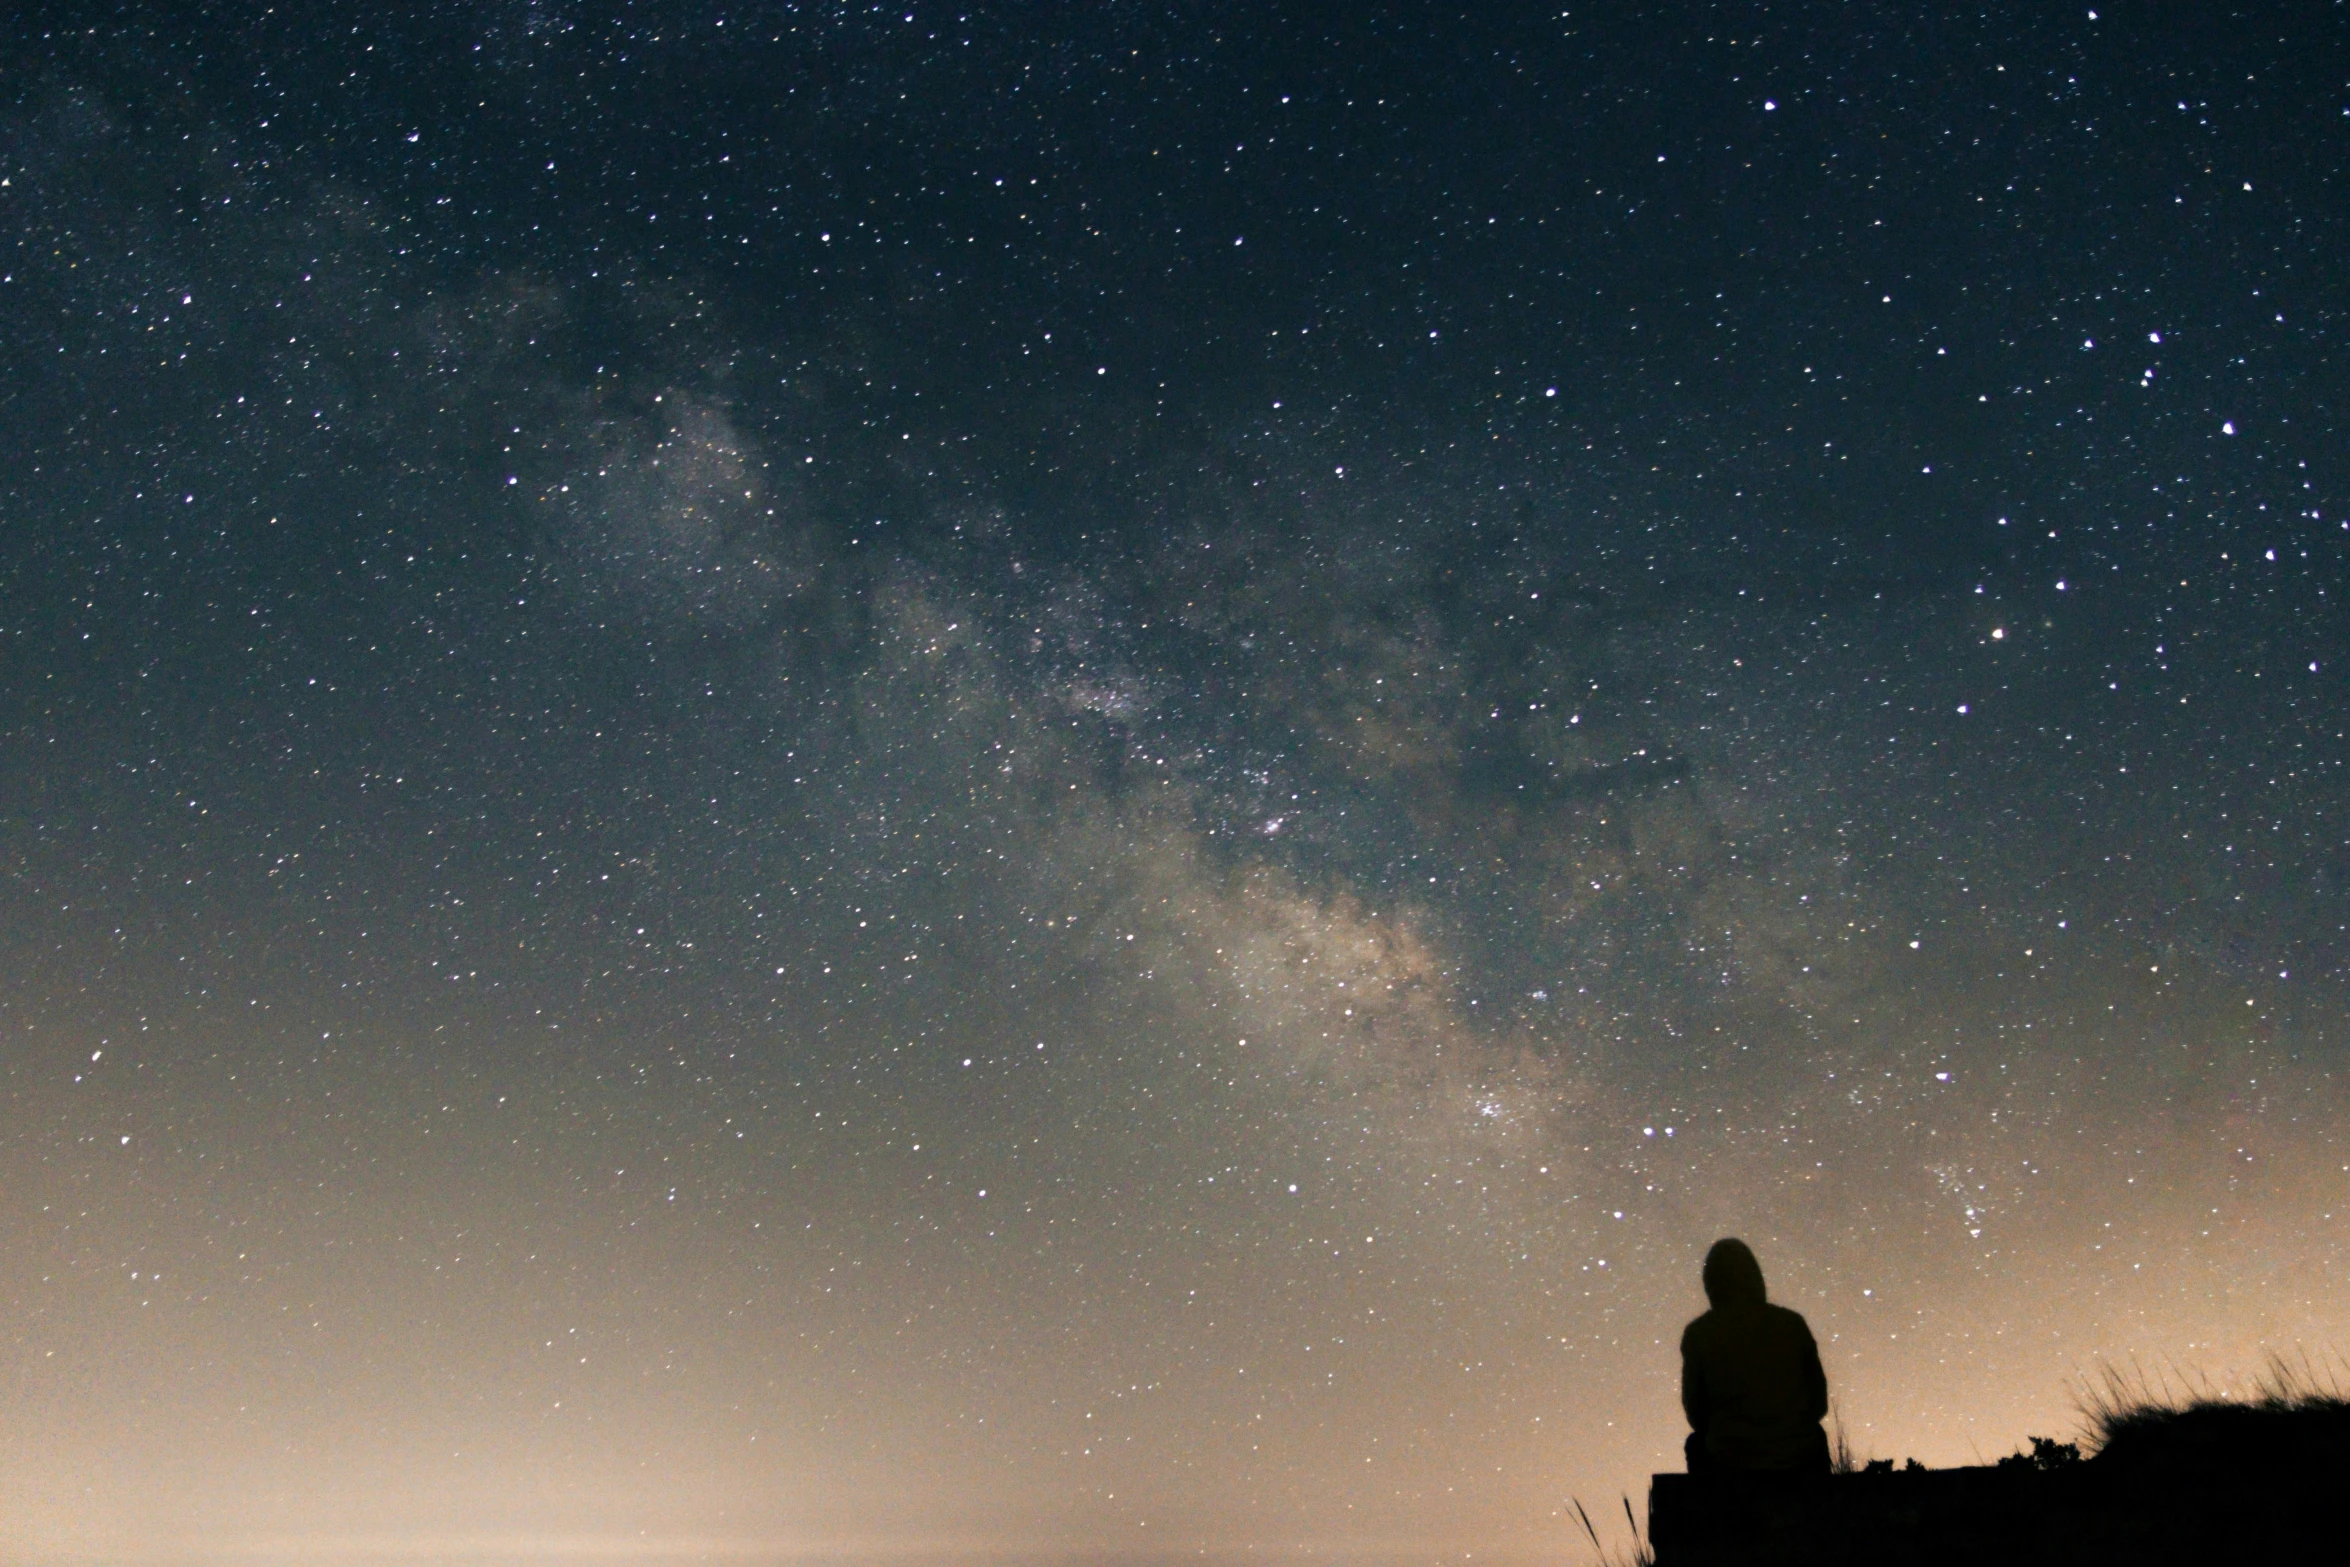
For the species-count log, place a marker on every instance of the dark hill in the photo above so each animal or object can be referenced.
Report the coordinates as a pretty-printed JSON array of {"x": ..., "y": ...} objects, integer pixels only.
[{"x": 2211, "y": 1481}]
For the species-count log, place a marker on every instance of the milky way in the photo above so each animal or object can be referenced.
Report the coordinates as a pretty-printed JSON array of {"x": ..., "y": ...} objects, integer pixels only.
[{"x": 1032, "y": 782}]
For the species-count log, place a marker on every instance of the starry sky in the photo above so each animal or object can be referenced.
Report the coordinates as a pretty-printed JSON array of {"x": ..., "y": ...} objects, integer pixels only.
[{"x": 1080, "y": 781}]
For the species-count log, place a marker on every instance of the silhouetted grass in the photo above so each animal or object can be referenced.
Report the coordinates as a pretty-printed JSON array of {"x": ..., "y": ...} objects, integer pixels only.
[
  {"x": 2132, "y": 1415},
  {"x": 1641, "y": 1553},
  {"x": 1841, "y": 1458}
]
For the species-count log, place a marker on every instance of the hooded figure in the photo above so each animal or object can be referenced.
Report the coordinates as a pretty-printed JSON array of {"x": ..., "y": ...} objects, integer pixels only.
[{"x": 1751, "y": 1381}]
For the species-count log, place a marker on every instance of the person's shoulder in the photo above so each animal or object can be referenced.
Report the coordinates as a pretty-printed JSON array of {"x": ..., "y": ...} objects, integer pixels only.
[
  {"x": 1788, "y": 1320},
  {"x": 1697, "y": 1332}
]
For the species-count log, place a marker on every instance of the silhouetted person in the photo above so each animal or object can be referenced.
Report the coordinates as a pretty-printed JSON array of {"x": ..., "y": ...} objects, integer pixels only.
[{"x": 1751, "y": 1381}]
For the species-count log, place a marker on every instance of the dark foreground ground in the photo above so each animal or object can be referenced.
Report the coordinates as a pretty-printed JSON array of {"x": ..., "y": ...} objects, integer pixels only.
[{"x": 2211, "y": 1484}]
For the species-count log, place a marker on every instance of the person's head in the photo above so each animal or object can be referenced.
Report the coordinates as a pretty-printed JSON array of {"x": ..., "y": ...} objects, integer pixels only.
[{"x": 1732, "y": 1276}]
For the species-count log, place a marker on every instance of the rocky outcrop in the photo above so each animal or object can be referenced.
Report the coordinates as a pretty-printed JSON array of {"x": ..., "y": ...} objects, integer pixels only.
[{"x": 2200, "y": 1485}]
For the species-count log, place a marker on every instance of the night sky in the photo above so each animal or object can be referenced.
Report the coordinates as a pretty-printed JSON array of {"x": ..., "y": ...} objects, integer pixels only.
[{"x": 1062, "y": 781}]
